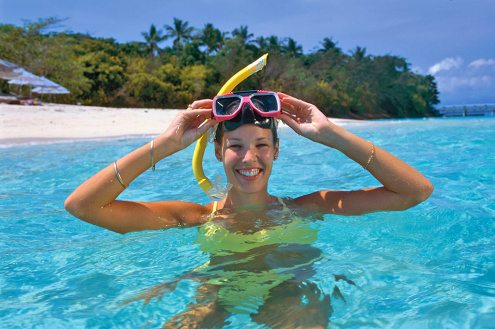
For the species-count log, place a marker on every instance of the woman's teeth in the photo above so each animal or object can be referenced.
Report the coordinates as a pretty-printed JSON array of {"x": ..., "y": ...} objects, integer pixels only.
[{"x": 250, "y": 172}]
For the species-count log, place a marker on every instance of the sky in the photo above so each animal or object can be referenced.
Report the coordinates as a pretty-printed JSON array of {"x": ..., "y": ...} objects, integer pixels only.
[{"x": 454, "y": 40}]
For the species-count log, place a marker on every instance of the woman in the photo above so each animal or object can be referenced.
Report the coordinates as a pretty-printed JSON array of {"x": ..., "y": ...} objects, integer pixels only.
[
  {"x": 258, "y": 267},
  {"x": 247, "y": 154}
]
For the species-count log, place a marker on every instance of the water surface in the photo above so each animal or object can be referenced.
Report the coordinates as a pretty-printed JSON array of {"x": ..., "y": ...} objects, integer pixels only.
[{"x": 429, "y": 266}]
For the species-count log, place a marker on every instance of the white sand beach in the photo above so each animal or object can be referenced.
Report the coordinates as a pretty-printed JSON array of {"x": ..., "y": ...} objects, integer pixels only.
[
  {"x": 51, "y": 122},
  {"x": 22, "y": 124}
]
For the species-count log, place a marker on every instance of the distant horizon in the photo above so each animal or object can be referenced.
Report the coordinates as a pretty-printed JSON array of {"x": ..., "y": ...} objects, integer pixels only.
[{"x": 439, "y": 106}]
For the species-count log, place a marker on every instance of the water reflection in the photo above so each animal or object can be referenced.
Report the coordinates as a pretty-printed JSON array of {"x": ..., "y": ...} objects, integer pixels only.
[{"x": 261, "y": 263}]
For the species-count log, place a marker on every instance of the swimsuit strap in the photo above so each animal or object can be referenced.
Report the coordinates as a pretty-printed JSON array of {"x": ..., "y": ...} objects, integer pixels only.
[
  {"x": 214, "y": 208},
  {"x": 284, "y": 206}
]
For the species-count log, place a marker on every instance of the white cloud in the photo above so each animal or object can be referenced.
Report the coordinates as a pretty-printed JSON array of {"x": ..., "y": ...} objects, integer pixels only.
[
  {"x": 454, "y": 83},
  {"x": 461, "y": 83},
  {"x": 446, "y": 65},
  {"x": 482, "y": 62}
]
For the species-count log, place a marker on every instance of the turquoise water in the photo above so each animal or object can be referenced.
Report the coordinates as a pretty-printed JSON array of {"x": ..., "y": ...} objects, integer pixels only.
[{"x": 432, "y": 266}]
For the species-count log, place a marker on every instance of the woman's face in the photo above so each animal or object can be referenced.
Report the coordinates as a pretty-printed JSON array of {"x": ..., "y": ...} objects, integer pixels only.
[{"x": 247, "y": 154}]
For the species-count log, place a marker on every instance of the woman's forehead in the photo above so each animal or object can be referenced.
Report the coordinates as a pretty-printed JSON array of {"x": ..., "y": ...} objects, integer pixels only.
[{"x": 249, "y": 132}]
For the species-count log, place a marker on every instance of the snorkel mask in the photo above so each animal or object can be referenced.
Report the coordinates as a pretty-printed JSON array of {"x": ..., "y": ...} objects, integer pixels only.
[
  {"x": 256, "y": 107},
  {"x": 216, "y": 192}
]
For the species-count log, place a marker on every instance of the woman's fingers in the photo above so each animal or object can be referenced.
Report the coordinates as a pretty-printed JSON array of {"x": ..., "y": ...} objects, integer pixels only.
[
  {"x": 290, "y": 121},
  {"x": 201, "y": 104},
  {"x": 198, "y": 113},
  {"x": 295, "y": 106}
]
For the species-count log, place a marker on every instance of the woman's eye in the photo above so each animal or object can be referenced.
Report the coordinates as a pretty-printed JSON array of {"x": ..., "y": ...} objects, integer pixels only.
[
  {"x": 262, "y": 145},
  {"x": 234, "y": 146}
]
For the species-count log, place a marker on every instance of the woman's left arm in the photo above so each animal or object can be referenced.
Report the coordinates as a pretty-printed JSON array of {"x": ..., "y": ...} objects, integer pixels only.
[{"x": 403, "y": 186}]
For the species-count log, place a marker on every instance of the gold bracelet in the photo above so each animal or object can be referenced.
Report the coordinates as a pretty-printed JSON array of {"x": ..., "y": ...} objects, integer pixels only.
[
  {"x": 371, "y": 156},
  {"x": 152, "y": 159},
  {"x": 118, "y": 175}
]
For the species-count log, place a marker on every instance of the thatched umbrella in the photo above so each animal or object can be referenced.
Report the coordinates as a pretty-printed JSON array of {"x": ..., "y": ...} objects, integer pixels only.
[
  {"x": 8, "y": 70},
  {"x": 58, "y": 89}
]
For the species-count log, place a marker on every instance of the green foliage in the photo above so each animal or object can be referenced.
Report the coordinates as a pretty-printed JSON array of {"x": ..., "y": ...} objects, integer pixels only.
[{"x": 103, "y": 72}]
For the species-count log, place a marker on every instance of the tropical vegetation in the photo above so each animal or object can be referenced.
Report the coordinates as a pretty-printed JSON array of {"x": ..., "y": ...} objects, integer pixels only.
[{"x": 101, "y": 71}]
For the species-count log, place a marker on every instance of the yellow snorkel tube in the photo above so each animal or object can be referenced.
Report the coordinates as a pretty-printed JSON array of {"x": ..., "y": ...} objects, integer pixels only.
[{"x": 199, "y": 151}]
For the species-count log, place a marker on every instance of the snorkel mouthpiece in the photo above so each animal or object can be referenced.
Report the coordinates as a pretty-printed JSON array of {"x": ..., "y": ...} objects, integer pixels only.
[{"x": 214, "y": 192}]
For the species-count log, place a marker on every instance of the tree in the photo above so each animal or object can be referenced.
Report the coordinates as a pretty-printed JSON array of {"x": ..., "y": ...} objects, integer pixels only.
[
  {"x": 104, "y": 65},
  {"x": 212, "y": 38},
  {"x": 359, "y": 54},
  {"x": 180, "y": 31},
  {"x": 153, "y": 38},
  {"x": 292, "y": 49},
  {"x": 274, "y": 45},
  {"x": 23, "y": 45},
  {"x": 328, "y": 45},
  {"x": 262, "y": 43},
  {"x": 243, "y": 35}
]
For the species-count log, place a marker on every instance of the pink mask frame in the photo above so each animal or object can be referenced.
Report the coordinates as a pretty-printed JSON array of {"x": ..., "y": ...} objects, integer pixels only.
[{"x": 272, "y": 110}]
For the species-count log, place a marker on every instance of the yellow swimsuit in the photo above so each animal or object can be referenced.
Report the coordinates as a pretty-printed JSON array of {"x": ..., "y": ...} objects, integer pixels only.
[{"x": 246, "y": 266}]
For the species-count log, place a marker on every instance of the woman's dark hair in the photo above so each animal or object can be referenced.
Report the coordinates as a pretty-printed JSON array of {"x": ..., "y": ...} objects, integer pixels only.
[{"x": 221, "y": 131}]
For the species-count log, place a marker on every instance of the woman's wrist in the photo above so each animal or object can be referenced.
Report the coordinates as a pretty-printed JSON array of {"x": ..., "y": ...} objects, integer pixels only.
[
  {"x": 164, "y": 146},
  {"x": 332, "y": 135}
]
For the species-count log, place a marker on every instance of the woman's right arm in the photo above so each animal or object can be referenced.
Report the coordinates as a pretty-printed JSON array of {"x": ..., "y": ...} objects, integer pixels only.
[{"x": 95, "y": 200}]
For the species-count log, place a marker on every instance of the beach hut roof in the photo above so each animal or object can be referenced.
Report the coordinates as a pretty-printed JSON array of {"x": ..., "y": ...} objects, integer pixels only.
[
  {"x": 8, "y": 70},
  {"x": 50, "y": 90},
  {"x": 27, "y": 78}
]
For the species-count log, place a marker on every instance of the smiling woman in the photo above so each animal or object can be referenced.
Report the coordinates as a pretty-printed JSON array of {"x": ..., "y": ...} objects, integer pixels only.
[{"x": 249, "y": 219}]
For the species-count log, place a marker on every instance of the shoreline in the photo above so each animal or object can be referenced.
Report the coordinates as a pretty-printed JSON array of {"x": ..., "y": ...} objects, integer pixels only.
[
  {"x": 57, "y": 123},
  {"x": 61, "y": 123}
]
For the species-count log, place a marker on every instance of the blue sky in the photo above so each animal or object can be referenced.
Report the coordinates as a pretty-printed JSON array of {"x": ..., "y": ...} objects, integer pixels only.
[{"x": 452, "y": 39}]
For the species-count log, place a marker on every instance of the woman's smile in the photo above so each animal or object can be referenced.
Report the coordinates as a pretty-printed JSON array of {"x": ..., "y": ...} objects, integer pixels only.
[{"x": 249, "y": 174}]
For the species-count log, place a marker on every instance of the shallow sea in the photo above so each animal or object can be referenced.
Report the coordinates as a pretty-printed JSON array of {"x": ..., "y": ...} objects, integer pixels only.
[{"x": 432, "y": 266}]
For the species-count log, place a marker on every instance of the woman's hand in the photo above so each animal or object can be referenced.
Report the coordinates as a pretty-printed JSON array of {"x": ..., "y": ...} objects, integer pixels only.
[
  {"x": 304, "y": 118},
  {"x": 190, "y": 124}
]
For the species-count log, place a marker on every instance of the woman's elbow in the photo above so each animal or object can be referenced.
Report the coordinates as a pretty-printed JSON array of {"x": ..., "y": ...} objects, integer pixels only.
[
  {"x": 74, "y": 206},
  {"x": 422, "y": 193},
  {"x": 429, "y": 190}
]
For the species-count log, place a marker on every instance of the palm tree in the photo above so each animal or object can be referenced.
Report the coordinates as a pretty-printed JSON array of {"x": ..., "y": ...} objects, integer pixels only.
[
  {"x": 359, "y": 53},
  {"x": 262, "y": 43},
  {"x": 208, "y": 37},
  {"x": 180, "y": 31},
  {"x": 327, "y": 44},
  {"x": 223, "y": 40},
  {"x": 212, "y": 38},
  {"x": 153, "y": 38},
  {"x": 243, "y": 35},
  {"x": 274, "y": 44},
  {"x": 293, "y": 49}
]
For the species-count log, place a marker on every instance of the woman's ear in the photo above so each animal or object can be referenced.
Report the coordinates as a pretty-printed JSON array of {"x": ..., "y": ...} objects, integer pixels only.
[{"x": 218, "y": 151}]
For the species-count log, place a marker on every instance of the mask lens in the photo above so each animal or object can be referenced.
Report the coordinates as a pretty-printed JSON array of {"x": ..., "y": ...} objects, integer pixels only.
[
  {"x": 227, "y": 105},
  {"x": 265, "y": 103}
]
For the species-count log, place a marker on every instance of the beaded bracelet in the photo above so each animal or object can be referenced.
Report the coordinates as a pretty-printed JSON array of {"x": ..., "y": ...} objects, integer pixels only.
[
  {"x": 371, "y": 156},
  {"x": 118, "y": 175}
]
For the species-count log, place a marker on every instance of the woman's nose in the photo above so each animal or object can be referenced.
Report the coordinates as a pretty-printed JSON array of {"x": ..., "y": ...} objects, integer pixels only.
[{"x": 250, "y": 155}]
